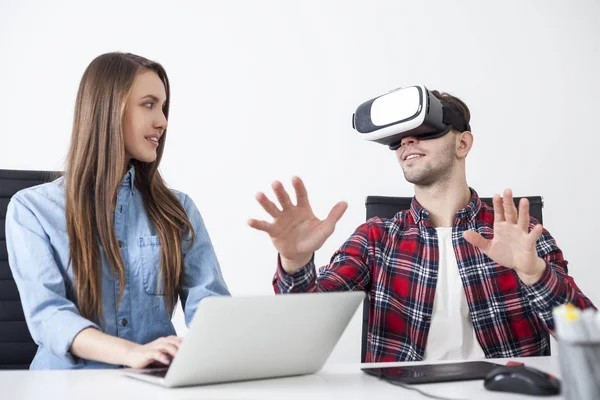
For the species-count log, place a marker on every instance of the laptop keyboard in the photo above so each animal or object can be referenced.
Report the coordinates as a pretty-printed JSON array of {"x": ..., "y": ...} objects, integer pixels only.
[{"x": 160, "y": 373}]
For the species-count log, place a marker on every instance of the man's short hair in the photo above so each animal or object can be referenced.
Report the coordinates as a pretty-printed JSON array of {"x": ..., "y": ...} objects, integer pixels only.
[{"x": 454, "y": 103}]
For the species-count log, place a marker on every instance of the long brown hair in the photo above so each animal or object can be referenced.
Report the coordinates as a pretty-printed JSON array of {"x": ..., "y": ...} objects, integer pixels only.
[{"x": 95, "y": 169}]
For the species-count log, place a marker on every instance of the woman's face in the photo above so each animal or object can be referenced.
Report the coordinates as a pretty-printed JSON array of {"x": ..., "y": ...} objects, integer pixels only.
[{"x": 144, "y": 120}]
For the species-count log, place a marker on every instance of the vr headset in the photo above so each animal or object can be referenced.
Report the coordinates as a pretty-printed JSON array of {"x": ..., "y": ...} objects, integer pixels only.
[{"x": 402, "y": 112}]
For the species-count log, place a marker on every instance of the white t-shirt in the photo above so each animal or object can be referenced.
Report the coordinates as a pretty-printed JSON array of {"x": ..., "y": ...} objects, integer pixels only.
[{"x": 451, "y": 335}]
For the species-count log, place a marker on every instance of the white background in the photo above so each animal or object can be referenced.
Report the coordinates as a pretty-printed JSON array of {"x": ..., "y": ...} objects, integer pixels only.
[{"x": 265, "y": 90}]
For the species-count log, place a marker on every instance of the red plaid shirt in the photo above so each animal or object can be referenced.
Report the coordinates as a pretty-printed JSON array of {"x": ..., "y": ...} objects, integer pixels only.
[{"x": 396, "y": 262}]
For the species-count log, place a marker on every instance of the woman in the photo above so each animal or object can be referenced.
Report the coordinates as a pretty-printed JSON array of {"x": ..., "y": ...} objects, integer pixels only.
[{"x": 101, "y": 255}]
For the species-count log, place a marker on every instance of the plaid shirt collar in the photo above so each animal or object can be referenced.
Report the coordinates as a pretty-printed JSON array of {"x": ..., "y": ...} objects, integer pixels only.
[{"x": 468, "y": 213}]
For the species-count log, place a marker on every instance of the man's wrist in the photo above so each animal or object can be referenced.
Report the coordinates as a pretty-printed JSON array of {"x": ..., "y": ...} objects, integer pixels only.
[
  {"x": 534, "y": 276},
  {"x": 292, "y": 266}
]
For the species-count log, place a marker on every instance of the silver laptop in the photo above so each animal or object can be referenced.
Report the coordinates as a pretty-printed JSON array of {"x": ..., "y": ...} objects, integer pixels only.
[{"x": 243, "y": 338}]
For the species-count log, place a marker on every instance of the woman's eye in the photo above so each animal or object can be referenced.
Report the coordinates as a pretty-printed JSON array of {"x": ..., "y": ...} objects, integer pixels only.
[{"x": 149, "y": 105}]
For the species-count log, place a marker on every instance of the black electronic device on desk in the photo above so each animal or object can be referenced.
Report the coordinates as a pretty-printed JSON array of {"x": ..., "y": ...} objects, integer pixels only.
[
  {"x": 522, "y": 379},
  {"x": 431, "y": 373}
]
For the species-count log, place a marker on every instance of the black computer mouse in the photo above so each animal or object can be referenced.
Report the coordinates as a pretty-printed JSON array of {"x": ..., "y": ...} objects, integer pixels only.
[{"x": 522, "y": 379}]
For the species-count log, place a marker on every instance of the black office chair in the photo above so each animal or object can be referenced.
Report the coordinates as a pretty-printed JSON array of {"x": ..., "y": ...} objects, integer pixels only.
[
  {"x": 387, "y": 207},
  {"x": 17, "y": 348}
]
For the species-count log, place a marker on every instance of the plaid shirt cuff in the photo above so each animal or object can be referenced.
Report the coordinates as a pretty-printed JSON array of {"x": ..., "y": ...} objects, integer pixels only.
[
  {"x": 545, "y": 292},
  {"x": 299, "y": 281}
]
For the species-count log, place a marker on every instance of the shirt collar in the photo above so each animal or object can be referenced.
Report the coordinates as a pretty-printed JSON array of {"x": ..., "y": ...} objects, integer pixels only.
[
  {"x": 129, "y": 179},
  {"x": 468, "y": 213}
]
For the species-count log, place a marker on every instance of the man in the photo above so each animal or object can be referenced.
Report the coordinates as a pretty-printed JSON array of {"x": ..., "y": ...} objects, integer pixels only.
[{"x": 450, "y": 278}]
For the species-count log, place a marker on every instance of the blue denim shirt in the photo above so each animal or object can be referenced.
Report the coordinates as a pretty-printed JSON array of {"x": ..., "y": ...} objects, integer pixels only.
[{"x": 38, "y": 253}]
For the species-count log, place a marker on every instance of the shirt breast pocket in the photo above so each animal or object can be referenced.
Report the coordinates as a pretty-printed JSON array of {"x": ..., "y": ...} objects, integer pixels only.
[{"x": 150, "y": 261}]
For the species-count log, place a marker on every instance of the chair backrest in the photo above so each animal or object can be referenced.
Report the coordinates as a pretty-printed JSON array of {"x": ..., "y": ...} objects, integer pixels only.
[
  {"x": 16, "y": 345},
  {"x": 387, "y": 207}
]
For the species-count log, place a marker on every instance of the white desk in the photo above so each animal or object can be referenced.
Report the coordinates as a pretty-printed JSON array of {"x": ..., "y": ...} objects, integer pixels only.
[{"x": 333, "y": 382}]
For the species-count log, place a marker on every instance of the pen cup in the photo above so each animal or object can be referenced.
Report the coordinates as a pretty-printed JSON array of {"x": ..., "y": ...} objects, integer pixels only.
[{"x": 580, "y": 369}]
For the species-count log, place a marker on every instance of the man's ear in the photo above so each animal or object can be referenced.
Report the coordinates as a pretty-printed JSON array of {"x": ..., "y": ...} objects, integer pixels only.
[{"x": 464, "y": 142}]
